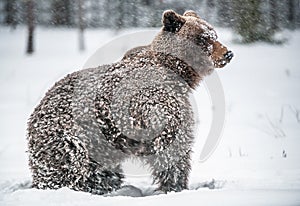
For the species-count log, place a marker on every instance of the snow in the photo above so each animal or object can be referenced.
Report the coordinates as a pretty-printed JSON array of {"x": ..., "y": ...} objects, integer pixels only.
[
  {"x": 261, "y": 85},
  {"x": 205, "y": 197}
]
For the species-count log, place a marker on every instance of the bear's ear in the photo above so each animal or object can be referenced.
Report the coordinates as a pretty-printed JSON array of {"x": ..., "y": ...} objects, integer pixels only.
[
  {"x": 172, "y": 22},
  {"x": 191, "y": 13}
]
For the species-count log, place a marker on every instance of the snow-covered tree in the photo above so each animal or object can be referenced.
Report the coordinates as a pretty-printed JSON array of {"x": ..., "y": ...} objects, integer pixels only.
[
  {"x": 61, "y": 12},
  {"x": 10, "y": 10},
  {"x": 249, "y": 22},
  {"x": 30, "y": 14}
]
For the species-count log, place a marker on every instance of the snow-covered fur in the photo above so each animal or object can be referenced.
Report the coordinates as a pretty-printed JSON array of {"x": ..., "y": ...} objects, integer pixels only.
[{"x": 89, "y": 122}]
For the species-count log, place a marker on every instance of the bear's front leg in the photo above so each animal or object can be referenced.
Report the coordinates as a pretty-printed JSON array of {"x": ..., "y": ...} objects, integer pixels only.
[{"x": 171, "y": 172}]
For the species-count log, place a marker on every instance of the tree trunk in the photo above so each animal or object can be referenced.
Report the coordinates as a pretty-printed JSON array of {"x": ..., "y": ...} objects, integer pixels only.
[
  {"x": 10, "y": 13},
  {"x": 96, "y": 10},
  {"x": 81, "y": 25},
  {"x": 225, "y": 13},
  {"x": 291, "y": 14},
  {"x": 134, "y": 13},
  {"x": 273, "y": 15},
  {"x": 209, "y": 7},
  {"x": 121, "y": 15},
  {"x": 30, "y": 26}
]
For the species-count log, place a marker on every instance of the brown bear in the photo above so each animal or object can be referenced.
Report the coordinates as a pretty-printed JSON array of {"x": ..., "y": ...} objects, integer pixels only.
[{"x": 89, "y": 122}]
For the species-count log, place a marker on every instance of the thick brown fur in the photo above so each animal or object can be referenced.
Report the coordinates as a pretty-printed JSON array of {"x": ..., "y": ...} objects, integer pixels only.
[{"x": 89, "y": 122}]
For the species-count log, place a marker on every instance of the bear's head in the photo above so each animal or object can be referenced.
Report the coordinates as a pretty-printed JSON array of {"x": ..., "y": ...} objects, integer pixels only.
[{"x": 191, "y": 39}]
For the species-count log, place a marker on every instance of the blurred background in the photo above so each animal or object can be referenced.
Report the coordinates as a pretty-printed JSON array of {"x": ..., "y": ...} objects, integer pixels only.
[{"x": 253, "y": 20}]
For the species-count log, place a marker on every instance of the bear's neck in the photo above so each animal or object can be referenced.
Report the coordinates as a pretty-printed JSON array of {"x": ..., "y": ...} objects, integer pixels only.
[
  {"x": 144, "y": 55},
  {"x": 181, "y": 68}
]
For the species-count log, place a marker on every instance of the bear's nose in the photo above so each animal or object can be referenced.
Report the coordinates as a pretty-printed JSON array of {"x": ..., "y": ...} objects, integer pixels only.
[{"x": 228, "y": 56}]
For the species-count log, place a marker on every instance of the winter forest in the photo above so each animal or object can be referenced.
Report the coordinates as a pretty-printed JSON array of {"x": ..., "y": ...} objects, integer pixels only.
[
  {"x": 254, "y": 20},
  {"x": 256, "y": 158}
]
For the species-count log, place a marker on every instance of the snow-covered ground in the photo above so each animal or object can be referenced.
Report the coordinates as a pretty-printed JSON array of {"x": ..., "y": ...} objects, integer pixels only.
[{"x": 257, "y": 161}]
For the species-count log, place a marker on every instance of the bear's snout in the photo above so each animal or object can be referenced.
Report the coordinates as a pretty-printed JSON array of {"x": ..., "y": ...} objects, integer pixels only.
[
  {"x": 221, "y": 55},
  {"x": 228, "y": 56}
]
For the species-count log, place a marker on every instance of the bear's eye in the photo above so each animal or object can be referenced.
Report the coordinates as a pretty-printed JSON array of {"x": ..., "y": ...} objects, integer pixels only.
[
  {"x": 205, "y": 42},
  {"x": 200, "y": 39}
]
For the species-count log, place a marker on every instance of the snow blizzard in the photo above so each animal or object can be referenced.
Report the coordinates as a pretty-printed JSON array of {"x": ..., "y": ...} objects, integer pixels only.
[{"x": 255, "y": 163}]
